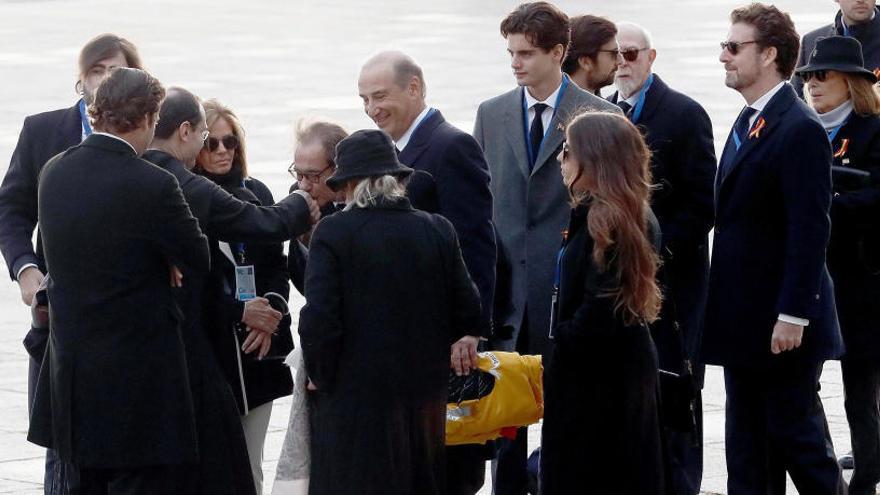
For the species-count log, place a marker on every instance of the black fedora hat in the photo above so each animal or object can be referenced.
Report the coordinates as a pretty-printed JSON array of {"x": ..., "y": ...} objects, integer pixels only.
[
  {"x": 838, "y": 53},
  {"x": 365, "y": 153}
]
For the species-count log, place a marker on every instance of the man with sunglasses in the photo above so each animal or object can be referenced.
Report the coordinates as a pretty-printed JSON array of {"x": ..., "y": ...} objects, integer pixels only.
[
  {"x": 856, "y": 18},
  {"x": 770, "y": 315},
  {"x": 521, "y": 135},
  {"x": 592, "y": 56},
  {"x": 679, "y": 133}
]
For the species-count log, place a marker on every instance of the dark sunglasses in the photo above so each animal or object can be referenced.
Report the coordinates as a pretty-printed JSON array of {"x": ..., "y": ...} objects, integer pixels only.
[
  {"x": 820, "y": 75},
  {"x": 631, "y": 54},
  {"x": 230, "y": 142},
  {"x": 614, "y": 52},
  {"x": 734, "y": 46}
]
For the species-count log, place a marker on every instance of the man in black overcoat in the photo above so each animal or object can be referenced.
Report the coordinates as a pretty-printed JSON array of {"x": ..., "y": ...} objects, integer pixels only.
[
  {"x": 679, "y": 133},
  {"x": 43, "y": 136},
  {"x": 770, "y": 317},
  {"x": 856, "y": 18},
  {"x": 392, "y": 87},
  {"x": 113, "y": 397}
]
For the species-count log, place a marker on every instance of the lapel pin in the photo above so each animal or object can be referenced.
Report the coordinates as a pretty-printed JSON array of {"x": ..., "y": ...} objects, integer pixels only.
[
  {"x": 844, "y": 145},
  {"x": 756, "y": 132}
]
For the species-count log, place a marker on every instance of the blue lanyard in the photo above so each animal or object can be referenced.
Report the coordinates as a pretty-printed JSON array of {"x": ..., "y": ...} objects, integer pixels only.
[
  {"x": 86, "y": 127},
  {"x": 846, "y": 31},
  {"x": 738, "y": 140},
  {"x": 562, "y": 88},
  {"x": 640, "y": 104},
  {"x": 239, "y": 247},
  {"x": 833, "y": 132}
]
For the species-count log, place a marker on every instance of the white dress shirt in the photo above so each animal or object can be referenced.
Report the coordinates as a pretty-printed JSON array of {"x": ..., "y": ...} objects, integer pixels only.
[
  {"x": 401, "y": 143},
  {"x": 547, "y": 116}
]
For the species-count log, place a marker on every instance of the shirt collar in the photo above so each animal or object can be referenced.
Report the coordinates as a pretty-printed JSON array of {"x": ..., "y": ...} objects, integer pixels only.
[
  {"x": 836, "y": 117},
  {"x": 404, "y": 140},
  {"x": 550, "y": 101},
  {"x": 762, "y": 102},
  {"x": 118, "y": 139},
  {"x": 633, "y": 98}
]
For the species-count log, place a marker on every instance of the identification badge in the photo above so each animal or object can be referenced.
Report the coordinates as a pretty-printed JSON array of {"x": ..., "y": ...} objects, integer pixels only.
[{"x": 245, "y": 283}]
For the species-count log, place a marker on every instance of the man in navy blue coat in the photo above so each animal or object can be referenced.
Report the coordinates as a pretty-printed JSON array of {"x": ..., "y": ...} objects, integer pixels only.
[
  {"x": 770, "y": 318},
  {"x": 43, "y": 136},
  {"x": 392, "y": 87},
  {"x": 679, "y": 133}
]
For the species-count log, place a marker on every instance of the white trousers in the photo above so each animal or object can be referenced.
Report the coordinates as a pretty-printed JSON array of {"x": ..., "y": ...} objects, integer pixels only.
[{"x": 255, "y": 425}]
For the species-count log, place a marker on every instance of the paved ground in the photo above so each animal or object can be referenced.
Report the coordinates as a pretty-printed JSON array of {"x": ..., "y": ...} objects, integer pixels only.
[{"x": 276, "y": 61}]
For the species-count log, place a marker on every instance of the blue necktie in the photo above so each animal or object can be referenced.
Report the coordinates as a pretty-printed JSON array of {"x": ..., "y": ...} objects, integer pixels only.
[
  {"x": 536, "y": 133},
  {"x": 741, "y": 129}
]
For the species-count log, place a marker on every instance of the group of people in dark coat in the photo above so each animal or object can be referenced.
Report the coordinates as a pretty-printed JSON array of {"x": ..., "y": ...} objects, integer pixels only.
[{"x": 569, "y": 226}]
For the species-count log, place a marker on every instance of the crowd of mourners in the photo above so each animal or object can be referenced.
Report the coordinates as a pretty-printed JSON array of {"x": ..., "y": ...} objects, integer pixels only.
[{"x": 567, "y": 225}]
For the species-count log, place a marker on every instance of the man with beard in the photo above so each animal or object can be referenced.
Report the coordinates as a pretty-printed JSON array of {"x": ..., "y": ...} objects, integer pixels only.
[
  {"x": 592, "y": 56},
  {"x": 858, "y": 19},
  {"x": 679, "y": 134},
  {"x": 43, "y": 136}
]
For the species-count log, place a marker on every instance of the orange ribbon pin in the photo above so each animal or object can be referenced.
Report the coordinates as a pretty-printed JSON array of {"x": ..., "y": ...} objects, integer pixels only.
[
  {"x": 756, "y": 132},
  {"x": 844, "y": 145}
]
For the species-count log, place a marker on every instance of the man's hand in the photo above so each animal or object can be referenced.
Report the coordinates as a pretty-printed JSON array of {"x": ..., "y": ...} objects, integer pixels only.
[
  {"x": 176, "y": 276},
  {"x": 259, "y": 315},
  {"x": 314, "y": 208},
  {"x": 786, "y": 337},
  {"x": 257, "y": 340},
  {"x": 464, "y": 355},
  {"x": 29, "y": 282}
]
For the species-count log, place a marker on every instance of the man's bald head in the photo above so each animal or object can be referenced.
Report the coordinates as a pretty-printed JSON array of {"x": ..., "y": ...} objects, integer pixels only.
[
  {"x": 631, "y": 29},
  {"x": 403, "y": 68},
  {"x": 392, "y": 88}
]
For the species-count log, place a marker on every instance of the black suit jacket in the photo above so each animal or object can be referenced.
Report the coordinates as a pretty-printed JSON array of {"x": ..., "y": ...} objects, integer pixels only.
[
  {"x": 114, "y": 381},
  {"x": 771, "y": 233},
  {"x": 867, "y": 34},
  {"x": 854, "y": 251},
  {"x": 456, "y": 162},
  {"x": 43, "y": 136},
  {"x": 679, "y": 133}
]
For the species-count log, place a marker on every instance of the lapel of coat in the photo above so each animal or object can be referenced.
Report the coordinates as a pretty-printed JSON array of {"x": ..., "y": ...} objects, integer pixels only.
[
  {"x": 69, "y": 130},
  {"x": 420, "y": 139},
  {"x": 554, "y": 136},
  {"x": 772, "y": 115},
  {"x": 512, "y": 120},
  {"x": 653, "y": 98}
]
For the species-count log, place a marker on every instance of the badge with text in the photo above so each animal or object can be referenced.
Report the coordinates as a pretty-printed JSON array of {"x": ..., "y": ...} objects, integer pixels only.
[{"x": 245, "y": 283}]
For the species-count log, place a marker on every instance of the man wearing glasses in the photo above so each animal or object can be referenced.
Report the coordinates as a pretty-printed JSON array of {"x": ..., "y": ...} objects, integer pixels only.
[
  {"x": 591, "y": 61},
  {"x": 679, "y": 133},
  {"x": 858, "y": 19},
  {"x": 770, "y": 316}
]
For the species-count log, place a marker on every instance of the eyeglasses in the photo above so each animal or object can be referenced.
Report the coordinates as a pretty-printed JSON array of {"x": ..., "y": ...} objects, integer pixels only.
[
  {"x": 565, "y": 151},
  {"x": 314, "y": 178},
  {"x": 820, "y": 75},
  {"x": 230, "y": 142},
  {"x": 614, "y": 52},
  {"x": 205, "y": 135},
  {"x": 734, "y": 46},
  {"x": 631, "y": 54}
]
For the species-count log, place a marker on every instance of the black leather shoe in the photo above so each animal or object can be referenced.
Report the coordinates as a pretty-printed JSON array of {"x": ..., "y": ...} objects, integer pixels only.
[{"x": 846, "y": 461}]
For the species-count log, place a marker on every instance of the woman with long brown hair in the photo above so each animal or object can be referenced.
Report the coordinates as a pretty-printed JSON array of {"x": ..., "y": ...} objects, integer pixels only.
[{"x": 601, "y": 430}]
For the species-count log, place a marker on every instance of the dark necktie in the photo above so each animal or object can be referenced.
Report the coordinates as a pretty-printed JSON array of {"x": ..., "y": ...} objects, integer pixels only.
[
  {"x": 536, "y": 133},
  {"x": 741, "y": 130},
  {"x": 626, "y": 107}
]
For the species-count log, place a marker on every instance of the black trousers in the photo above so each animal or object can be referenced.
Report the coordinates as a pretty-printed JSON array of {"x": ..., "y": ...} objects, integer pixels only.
[
  {"x": 775, "y": 424},
  {"x": 861, "y": 389},
  {"x": 510, "y": 469},
  {"x": 684, "y": 455},
  {"x": 465, "y": 469},
  {"x": 149, "y": 480}
]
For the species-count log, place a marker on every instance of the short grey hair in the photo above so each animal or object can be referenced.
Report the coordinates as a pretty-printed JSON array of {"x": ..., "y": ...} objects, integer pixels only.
[
  {"x": 370, "y": 190},
  {"x": 649, "y": 43},
  {"x": 405, "y": 68}
]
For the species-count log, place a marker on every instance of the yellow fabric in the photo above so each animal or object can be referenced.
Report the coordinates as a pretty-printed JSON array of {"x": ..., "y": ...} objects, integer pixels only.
[{"x": 516, "y": 400}]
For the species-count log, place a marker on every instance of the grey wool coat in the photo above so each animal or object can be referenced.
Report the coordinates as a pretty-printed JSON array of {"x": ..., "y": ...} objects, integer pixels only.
[{"x": 530, "y": 208}]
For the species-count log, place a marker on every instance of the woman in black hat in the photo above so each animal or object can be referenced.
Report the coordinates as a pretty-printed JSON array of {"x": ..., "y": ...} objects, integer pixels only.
[
  {"x": 844, "y": 94},
  {"x": 387, "y": 294}
]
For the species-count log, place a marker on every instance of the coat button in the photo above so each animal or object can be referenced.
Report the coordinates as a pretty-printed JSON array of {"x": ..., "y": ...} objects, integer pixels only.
[
  {"x": 817, "y": 297},
  {"x": 522, "y": 262}
]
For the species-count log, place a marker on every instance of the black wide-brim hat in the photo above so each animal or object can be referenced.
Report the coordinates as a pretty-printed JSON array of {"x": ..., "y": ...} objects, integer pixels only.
[
  {"x": 365, "y": 153},
  {"x": 838, "y": 53}
]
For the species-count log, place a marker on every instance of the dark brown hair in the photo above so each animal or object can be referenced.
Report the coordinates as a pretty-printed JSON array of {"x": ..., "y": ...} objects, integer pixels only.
[
  {"x": 104, "y": 46},
  {"x": 588, "y": 34},
  {"x": 615, "y": 160},
  {"x": 179, "y": 106},
  {"x": 328, "y": 134},
  {"x": 542, "y": 23},
  {"x": 124, "y": 99},
  {"x": 773, "y": 28},
  {"x": 214, "y": 110}
]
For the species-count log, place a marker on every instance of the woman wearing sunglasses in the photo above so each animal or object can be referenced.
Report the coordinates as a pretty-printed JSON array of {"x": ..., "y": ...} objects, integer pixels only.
[
  {"x": 844, "y": 94},
  {"x": 251, "y": 339},
  {"x": 601, "y": 380}
]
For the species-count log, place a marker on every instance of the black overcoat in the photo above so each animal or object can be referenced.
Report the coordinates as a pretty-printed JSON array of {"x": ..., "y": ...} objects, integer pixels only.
[
  {"x": 679, "y": 134},
  {"x": 601, "y": 430},
  {"x": 854, "y": 251},
  {"x": 114, "y": 381},
  {"x": 387, "y": 292},
  {"x": 868, "y": 35},
  {"x": 771, "y": 233},
  {"x": 461, "y": 178}
]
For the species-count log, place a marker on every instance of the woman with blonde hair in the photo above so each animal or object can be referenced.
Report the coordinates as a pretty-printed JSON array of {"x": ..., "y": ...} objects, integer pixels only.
[
  {"x": 251, "y": 339},
  {"x": 844, "y": 94},
  {"x": 601, "y": 378}
]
